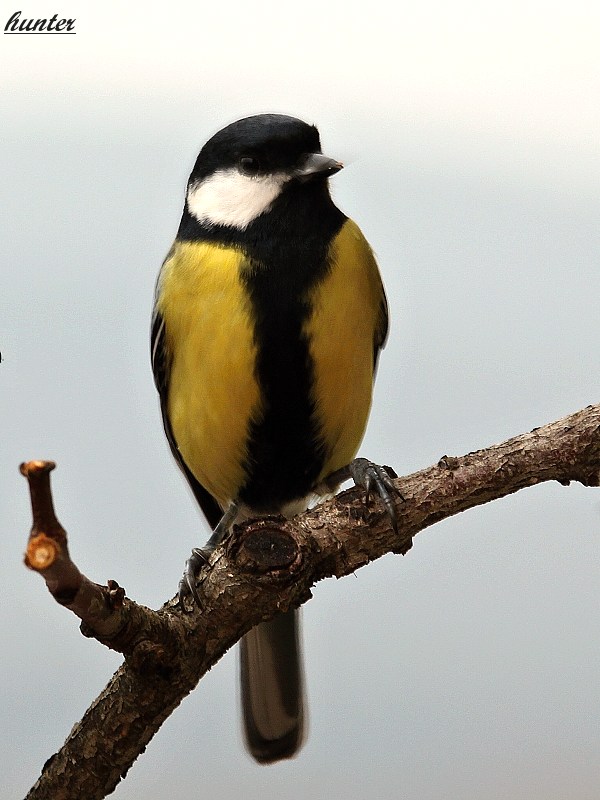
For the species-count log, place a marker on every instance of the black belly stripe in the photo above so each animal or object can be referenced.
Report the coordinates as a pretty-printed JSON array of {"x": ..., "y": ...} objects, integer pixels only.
[
  {"x": 285, "y": 452},
  {"x": 291, "y": 245},
  {"x": 287, "y": 251}
]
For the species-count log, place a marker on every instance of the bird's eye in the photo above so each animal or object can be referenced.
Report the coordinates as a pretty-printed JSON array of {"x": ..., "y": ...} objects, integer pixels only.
[{"x": 249, "y": 165}]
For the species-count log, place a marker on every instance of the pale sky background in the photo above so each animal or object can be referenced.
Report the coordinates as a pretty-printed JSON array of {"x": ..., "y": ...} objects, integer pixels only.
[{"x": 470, "y": 668}]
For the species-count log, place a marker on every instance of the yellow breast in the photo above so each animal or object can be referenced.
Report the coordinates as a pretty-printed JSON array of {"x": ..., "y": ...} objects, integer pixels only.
[
  {"x": 341, "y": 330},
  {"x": 213, "y": 393}
]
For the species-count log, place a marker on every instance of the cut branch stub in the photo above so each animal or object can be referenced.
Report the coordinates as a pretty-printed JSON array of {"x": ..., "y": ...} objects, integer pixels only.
[
  {"x": 47, "y": 538},
  {"x": 267, "y": 546}
]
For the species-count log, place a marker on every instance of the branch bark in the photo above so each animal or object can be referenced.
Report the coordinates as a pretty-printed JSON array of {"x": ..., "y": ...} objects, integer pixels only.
[{"x": 264, "y": 566}]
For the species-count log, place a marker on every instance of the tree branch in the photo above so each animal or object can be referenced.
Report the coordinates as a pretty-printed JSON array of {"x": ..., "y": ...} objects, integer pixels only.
[{"x": 263, "y": 567}]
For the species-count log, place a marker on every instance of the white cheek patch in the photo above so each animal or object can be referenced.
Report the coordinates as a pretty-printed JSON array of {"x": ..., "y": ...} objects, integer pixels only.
[{"x": 230, "y": 198}]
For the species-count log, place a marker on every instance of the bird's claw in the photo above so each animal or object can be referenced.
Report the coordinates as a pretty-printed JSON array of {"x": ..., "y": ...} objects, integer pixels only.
[
  {"x": 373, "y": 477},
  {"x": 200, "y": 556},
  {"x": 187, "y": 584}
]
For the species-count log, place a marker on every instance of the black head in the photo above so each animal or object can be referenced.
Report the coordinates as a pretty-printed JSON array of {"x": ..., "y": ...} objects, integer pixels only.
[
  {"x": 261, "y": 144},
  {"x": 245, "y": 168}
]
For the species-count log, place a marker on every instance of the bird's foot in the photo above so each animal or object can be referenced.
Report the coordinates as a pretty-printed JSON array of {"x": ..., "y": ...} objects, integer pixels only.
[
  {"x": 377, "y": 479},
  {"x": 374, "y": 479},
  {"x": 187, "y": 585},
  {"x": 200, "y": 555}
]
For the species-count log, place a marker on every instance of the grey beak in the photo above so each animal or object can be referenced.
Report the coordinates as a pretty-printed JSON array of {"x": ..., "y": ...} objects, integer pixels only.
[{"x": 316, "y": 164}]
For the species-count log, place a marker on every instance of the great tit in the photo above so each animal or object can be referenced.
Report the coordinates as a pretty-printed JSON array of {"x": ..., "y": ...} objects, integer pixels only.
[{"x": 268, "y": 320}]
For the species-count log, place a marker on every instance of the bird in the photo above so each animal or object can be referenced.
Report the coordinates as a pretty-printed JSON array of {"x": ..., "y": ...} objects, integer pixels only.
[{"x": 269, "y": 317}]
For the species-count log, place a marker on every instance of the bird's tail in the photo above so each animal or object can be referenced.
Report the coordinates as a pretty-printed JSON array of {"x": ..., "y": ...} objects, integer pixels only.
[{"x": 272, "y": 688}]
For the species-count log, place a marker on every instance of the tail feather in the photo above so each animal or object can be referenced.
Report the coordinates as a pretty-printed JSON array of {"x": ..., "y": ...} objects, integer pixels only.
[{"x": 273, "y": 688}]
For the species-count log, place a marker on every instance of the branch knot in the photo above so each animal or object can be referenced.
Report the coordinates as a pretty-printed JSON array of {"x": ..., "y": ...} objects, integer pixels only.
[{"x": 269, "y": 547}]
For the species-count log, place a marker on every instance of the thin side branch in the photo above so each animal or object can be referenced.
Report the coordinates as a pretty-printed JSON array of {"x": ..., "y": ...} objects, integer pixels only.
[
  {"x": 265, "y": 566},
  {"x": 104, "y": 612}
]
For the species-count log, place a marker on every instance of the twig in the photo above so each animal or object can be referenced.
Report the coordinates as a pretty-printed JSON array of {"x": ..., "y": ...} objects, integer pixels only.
[{"x": 265, "y": 566}]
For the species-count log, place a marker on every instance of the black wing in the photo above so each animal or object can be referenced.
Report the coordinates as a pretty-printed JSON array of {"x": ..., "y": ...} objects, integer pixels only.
[
  {"x": 381, "y": 329},
  {"x": 161, "y": 367}
]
